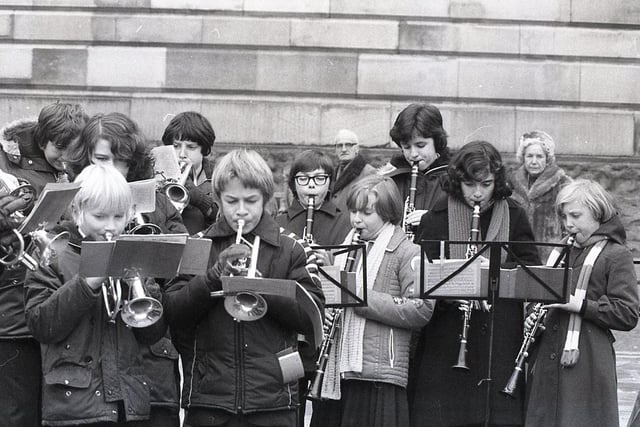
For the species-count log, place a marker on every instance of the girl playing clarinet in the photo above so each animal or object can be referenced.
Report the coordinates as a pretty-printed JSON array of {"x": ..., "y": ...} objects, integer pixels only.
[
  {"x": 372, "y": 352},
  {"x": 573, "y": 370}
]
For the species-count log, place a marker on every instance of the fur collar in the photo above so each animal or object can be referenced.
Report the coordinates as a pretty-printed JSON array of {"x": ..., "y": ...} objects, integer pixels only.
[
  {"x": 10, "y": 138},
  {"x": 350, "y": 173},
  {"x": 548, "y": 179}
]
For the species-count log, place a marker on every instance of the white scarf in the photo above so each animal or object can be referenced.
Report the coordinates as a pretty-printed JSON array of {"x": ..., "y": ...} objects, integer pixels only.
[{"x": 348, "y": 357}]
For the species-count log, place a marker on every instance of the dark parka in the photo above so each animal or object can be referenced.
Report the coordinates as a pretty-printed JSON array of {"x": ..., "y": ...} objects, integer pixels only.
[
  {"x": 89, "y": 364},
  {"x": 356, "y": 169},
  {"x": 330, "y": 224},
  {"x": 21, "y": 157},
  {"x": 586, "y": 394},
  {"x": 539, "y": 202},
  {"x": 444, "y": 396},
  {"x": 201, "y": 211},
  {"x": 232, "y": 366}
]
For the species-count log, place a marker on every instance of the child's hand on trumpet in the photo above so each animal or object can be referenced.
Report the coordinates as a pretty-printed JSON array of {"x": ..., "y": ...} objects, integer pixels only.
[{"x": 227, "y": 263}]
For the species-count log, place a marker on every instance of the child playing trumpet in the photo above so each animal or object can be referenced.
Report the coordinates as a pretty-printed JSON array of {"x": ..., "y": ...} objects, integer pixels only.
[
  {"x": 232, "y": 374},
  {"x": 92, "y": 368}
]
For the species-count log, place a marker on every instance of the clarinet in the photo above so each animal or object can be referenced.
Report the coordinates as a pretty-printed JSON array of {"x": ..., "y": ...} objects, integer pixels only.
[
  {"x": 472, "y": 249},
  {"x": 529, "y": 338},
  {"x": 315, "y": 390},
  {"x": 307, "y": 233},
  {"x": 409, "y": 204}
]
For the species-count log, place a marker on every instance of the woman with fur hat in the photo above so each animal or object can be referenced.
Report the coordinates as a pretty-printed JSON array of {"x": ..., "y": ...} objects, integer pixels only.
[{"x": 536, "y": 184}]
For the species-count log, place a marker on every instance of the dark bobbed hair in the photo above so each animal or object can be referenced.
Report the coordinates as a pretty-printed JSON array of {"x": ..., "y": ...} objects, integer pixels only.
[
  {"x": 60, "y": 123},
  {"x": 471, "y": 163},
  {"x": 307, "y": 161},
  {"x": 127, "y": 144},
  {"x": 422, "y": 120},
  {"x": 388, "y": 202},
  {"x": 190, "y": 126}
]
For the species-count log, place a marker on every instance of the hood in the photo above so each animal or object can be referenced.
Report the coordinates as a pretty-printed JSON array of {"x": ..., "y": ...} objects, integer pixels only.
[
  {"x": 612, "y": 230},
  {"x": 13, "y": 141}
]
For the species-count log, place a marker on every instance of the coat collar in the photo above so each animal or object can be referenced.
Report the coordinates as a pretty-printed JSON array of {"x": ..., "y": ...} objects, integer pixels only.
[
  {"x": 267, "y": 229},
  {"x": 17, "y": 140},
  {"x": 548, "y": 179},
  {"x": 398, "y": 165},
  {"x": 327, "y": 207},
  {"x": 350, "y": 172}
]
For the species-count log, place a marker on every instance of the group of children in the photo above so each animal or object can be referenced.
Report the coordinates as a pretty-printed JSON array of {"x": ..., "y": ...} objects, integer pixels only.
[{"x": 391, "y": 360}]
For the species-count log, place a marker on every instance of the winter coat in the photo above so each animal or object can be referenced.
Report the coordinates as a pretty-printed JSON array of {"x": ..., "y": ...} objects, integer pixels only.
[
  {"x": 330, "y": 223},
  {"x": 89, "y": 364},
  {"x": 201, "y": 211},
  {"x": 586, "y": 394},
  {"x": 539, "y": 203},
  {"x": 165, "y": 216},
  {"x": 232, "y": 366},
  {"x": 352, "y": 172},
  {"x": 389, "y": 319},
  {"x": 444, "y": 396},
  {"x": 21, "y": 157}
]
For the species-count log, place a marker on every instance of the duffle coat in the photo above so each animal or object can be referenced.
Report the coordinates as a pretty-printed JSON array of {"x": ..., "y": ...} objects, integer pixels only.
[
  {"x": 232, "y": 366},
  {"x": 586, "y": 394},
  {"x": 91, "y": 367},
  {"x": 444, "y": 396}
]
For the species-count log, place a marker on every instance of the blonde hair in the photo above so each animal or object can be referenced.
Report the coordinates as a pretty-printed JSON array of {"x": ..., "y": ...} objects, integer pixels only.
[
  {"x": 248, "y": 167},
  {"x": 103, "y": 189},
  {"x": 592, "y": 195},
  {"x": 541, "y": 138}
]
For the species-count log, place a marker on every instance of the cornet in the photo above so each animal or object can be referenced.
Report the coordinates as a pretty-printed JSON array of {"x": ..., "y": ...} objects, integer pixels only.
[
  {"x": 175, "y": 189},
  {"x": 140, "y": 310},
  {"x": 39, "y": 252},
  {"x": 245, "y": 306},
  {"x": 142, "y": 227},
  {"x": 112, "y": 293},
  {"x": 20, "y": 188}
]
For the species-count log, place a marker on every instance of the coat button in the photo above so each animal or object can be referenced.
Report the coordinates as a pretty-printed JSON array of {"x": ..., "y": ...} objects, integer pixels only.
[
  {"x": 30, "y": 162},
  {"x": 98, "y": 393},
  {"x": 114, "y": 412},
  {"x": 67, "y": 347},
  {"x": 552, "y": 356},
  {"x": 109, "y": 392},
  {"x": 164, "y": 351},
  {"x": 66, "y": 382},
  {"x": 67, "y": 393}
]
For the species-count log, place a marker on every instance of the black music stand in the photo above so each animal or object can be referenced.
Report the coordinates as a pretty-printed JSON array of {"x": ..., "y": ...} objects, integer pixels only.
[
  {"x": 491, "y": 291},
  {"x": 336, "y": 279}
]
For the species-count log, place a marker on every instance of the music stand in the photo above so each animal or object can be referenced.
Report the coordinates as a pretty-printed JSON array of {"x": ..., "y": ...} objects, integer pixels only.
[
  {"x": 492, "y": 288},
  {"x": 339, "y": 286}
]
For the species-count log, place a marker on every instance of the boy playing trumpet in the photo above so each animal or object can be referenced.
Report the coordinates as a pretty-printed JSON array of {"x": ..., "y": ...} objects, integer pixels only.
[{"x": 232, "y": 374}]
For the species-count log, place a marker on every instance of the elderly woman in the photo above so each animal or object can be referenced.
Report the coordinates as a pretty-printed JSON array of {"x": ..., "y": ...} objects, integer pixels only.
[{"x": 536, "y": 184}]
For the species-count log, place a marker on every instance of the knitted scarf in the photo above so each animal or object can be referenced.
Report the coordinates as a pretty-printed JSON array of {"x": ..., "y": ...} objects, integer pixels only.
[
  {"x": 571, "y": 353},
  {"x": 347, "y": 356},
  {"x": 460, "y": 225}
]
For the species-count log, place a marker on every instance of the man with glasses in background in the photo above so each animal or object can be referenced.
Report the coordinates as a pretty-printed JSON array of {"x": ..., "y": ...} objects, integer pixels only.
[{"x": 351, "y": 166}]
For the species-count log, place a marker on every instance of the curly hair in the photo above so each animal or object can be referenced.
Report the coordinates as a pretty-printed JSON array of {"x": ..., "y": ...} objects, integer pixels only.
[
  {"x": 471, "y": 163},
  {"x": 537, "y": 137},
  {"x": 127, "y": 144},
  {"x": 422, "y": 120}
]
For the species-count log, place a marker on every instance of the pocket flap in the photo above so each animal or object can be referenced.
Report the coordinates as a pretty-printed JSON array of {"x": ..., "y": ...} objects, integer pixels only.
[
  {"x": 164, "y": 348},
  {"x": 69, "y": 375}
]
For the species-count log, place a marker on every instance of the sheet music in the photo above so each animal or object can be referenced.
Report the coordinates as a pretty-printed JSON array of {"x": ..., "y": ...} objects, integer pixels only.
[
  {"x": 144, "y": 195},
  {"x": 467, "y": 283},
  {"x": 55, "y": 199},
  {"x": 166, "y": 162}
]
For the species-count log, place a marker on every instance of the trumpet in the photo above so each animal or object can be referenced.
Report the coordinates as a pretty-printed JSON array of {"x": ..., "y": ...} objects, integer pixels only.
[
  {"x": 20, "y": 188},
  {"x": 523, "y": 354},
  {"x": 307, "y": 233},
  {"x": 140, "y": 310},
  {"x": 315, "y": 388},
  {"x": 112, "y": 293},
  {"x": 175, "y": 190},
  {"x": 244, "y": 306},
  {"x": 39, "y": 253},
  {"x": 467, "y": 307},
  {"x": 409, "y": 204},
  {"x": 139, "y": 226}
]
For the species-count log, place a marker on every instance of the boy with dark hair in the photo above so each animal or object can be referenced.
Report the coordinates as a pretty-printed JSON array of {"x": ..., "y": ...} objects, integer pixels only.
[{"x": 192, "y": 136}]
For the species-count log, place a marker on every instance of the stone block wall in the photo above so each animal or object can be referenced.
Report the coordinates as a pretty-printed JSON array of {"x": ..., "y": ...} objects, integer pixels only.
[{"x": 282, "y": 75}]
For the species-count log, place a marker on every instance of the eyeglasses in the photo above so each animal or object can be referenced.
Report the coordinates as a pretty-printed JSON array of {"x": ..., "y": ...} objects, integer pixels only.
[{"x": 317, "y": 180}]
